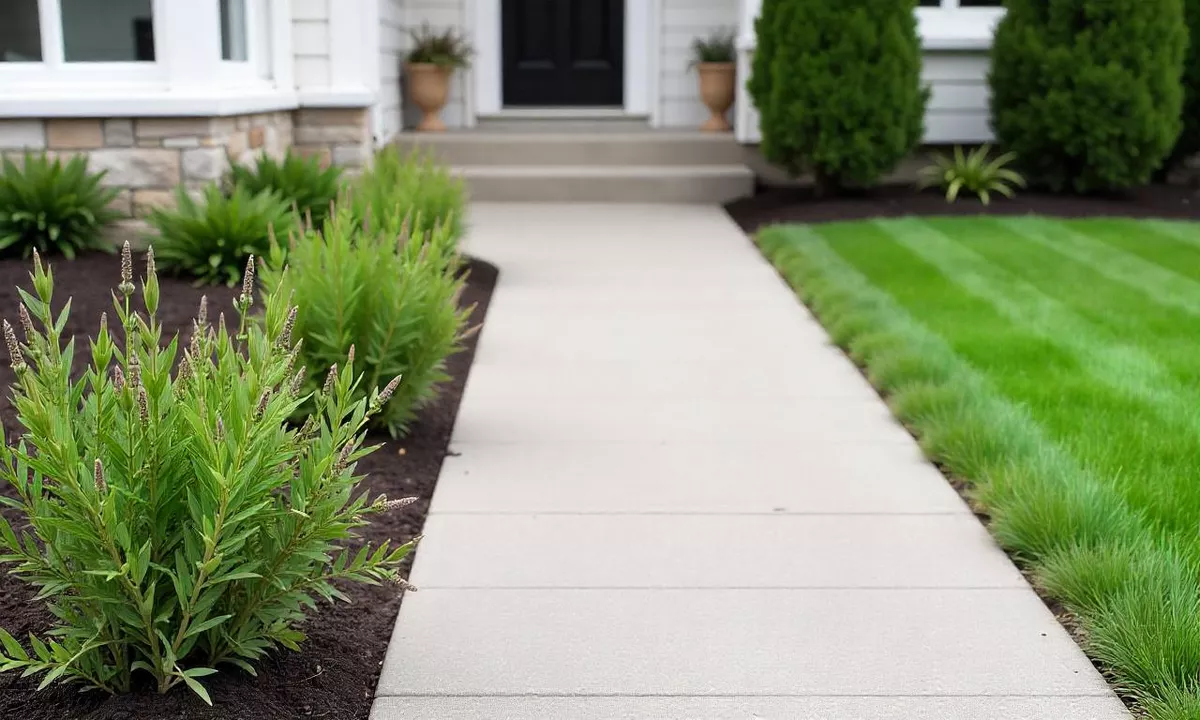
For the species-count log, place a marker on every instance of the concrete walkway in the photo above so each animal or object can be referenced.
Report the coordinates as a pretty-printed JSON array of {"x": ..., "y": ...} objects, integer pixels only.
[{"x": 675, "y": 499}]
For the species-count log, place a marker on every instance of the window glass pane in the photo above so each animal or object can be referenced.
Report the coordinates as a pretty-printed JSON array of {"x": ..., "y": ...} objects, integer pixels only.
[
  {"x": 20, "y": 31},
  {"x": 107, "y": 31},
  {"x": 980, "y": 3},
  {"x": 233, "y": 30}
]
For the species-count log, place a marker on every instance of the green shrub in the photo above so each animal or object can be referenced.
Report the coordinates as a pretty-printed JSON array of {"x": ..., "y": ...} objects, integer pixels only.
[
  {"x": 183, "y": 524},
  {"x": 846, "y": 100},
  {"x": 761, "y": 69},
  {"x": 399, "y": 186},
  {"x": 973, "y": 172},
  {"x": 391, "y": 296},
  {"x": 298, "y": 180},
  {"x": 211, "y": 240},
  {"x": 1188, "y": 143},
  {"x": 51, "y": 207},
  {"x": 1088, "y": 92}
]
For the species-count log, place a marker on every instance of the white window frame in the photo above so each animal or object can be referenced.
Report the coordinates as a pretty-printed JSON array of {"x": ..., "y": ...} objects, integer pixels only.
[{"x": 187, "y": 77}]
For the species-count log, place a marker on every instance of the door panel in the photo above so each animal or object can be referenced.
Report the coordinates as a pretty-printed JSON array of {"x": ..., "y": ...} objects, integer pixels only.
[{"x": 563, "y": 52}]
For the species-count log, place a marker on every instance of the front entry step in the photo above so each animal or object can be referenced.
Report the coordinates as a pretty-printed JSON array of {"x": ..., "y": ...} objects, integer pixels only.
[
  {"x": 645, "y": 147},
  {"x": 705, "y": 184}
]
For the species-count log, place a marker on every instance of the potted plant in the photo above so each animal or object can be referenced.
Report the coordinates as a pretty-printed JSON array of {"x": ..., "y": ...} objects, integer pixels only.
[
  {"x": 714, "y": 59},
  {"x": 430, "y": 63}
]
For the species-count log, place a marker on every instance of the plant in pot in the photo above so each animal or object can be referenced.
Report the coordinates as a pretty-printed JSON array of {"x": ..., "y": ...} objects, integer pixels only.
[
  {"x": 714, "y": 59},
  {"x": 434, "y": 57}
]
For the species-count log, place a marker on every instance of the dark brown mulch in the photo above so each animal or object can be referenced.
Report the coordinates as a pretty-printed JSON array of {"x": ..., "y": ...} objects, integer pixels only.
[
  {"x": 799, "y": 205},
  {"x": 334, "y": 677}
]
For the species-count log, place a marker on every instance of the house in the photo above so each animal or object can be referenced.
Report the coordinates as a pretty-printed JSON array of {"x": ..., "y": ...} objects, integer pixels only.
[{"x": 163, "y": 92}]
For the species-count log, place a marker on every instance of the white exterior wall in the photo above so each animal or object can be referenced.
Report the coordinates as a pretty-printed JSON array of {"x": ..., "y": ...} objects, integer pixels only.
[
  {"x": 442, "y": 14},
  {"x": 310, "y": 44},
  {"x": 682, "y": 22},
  {"x": 392, "y": 37}
]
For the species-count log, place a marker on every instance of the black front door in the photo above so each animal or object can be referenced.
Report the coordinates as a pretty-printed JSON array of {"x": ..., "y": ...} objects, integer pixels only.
[{"x": 563, "y": 52}]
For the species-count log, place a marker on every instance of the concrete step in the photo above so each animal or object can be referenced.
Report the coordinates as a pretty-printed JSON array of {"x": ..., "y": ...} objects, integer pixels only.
[
  {"x": 606, "y": 148},
  {"x": 704, "y": 184},
  {"x": 562, "y": 119}
]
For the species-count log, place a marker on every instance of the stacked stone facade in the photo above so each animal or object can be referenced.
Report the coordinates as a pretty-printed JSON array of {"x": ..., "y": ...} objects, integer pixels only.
[{"x": 148, "y": 158}]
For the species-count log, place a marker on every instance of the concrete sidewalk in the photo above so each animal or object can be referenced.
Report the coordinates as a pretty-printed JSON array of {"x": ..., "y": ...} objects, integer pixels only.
[{"x": 675, "y": 499}]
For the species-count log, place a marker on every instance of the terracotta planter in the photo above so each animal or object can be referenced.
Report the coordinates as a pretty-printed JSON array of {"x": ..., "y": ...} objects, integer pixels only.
[
  {"x": 429, "y": 88},
  {"x": 716, "y": 90}
]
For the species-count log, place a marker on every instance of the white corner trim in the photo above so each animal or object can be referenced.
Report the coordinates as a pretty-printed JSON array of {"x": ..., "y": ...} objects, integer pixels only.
[
  {"x": 643, "y": 33},
  {"x": 125, "y": 102}
]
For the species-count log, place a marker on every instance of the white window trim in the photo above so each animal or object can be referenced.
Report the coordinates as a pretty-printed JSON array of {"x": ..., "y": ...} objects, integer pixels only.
[
  {"x": 643, "y": 38},
  {"x": 187, "y": 78}
]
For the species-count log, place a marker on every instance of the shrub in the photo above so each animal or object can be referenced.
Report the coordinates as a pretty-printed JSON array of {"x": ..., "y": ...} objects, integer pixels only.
[
  {"x": 211, "y": 240},
  {"x": 182, "y": 523},
  {"x": 1188, "y": 143},
  {"x": 393, "y": 297},
  {"x": 1088, "y": 92},
  {"x": 300, "y": 181},
  {"x": 398, "y": 186},
  {"x": 846, "y": 100},
  {"x": 761, "y": 69},
  {"x": 51, "y": 207},
  {"x": 973, "y": 172}
]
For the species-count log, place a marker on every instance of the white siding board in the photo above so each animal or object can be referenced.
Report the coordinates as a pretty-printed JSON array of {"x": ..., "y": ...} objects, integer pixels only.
[
  {"x": 391, "y": 51},
  {"x": 310, "y": 44}
]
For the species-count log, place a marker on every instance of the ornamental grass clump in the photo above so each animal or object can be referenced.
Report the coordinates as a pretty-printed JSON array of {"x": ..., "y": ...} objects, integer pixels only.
[
  {"x": 300, "y": 181},
  {"x": 414, "y": 185},
  {"x": 393, "y": 296},
  {"x": 177, "y": 522},
  {"x": 50, "y": 206}
]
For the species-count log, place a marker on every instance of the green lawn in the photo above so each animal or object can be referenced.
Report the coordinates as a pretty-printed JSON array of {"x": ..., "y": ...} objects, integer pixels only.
[{"x": 1056, "y": 366}]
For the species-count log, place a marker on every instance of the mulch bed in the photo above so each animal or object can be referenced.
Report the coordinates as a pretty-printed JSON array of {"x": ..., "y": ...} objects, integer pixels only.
[
  {"x": 335, "y": 675},
  {"x": 799, "y": 205}
]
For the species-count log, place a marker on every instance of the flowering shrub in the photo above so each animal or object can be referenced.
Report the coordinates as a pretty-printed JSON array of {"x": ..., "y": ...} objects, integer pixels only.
[
  {"x": 394, "y": 297},
  {"x": 177, "y": 523}
]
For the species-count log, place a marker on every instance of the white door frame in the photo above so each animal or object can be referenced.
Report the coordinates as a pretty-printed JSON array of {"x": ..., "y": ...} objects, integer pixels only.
[{"x": 643, "y": 25}]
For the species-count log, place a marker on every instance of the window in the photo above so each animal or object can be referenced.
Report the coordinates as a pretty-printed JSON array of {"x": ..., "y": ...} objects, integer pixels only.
[
  {"x": 109, "y": 31},
  {"x": 950, "y": 4},
  {"x": 20, "y": 32},
  {"x": 233, "y": 30}
]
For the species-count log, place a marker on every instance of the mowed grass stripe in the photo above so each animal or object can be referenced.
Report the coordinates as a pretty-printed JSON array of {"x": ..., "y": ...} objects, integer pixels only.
[
  {"x": 1131, "y": 420},
  {"x": 1135, "y": 598},
  {"x": 1132, "y": 316},
  {"x": 1172, "y": 245},
  {"x": 1088, "y": 388},
  {"x": 1163, "y": 286}
]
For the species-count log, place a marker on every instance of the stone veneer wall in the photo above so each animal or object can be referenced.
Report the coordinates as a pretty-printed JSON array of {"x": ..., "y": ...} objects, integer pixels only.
[
  {"x": 339, "y": 136},
  {"x": 149, "y": 157}
]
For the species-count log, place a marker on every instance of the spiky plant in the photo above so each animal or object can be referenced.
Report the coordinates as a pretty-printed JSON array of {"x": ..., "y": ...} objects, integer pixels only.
[
  {"x": 973, "y": 172},
  {"x": 210, "y": 240},
  {"x": 181, "y": 523},
  {"x": 300, "y": 181},
  {"x": 394, "y": 296},
  {"x": 444, "y": 48},
  {"x": 399, "y": 186},
  {"x": 718, "y": 46},
  {"x": 51, "y": 207}
]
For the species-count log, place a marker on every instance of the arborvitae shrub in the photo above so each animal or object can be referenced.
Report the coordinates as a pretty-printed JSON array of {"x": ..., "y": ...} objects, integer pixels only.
[
  {"x": 760, "y": 82},
  {"x": 846, "y": 100},
  {"x": 1189, "y": 138},
  {"x": 1088, "y": 92}
]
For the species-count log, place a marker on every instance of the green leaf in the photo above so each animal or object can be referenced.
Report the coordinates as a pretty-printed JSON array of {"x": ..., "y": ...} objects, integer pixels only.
[
  {"x": 195, "y": 686},
  {"x": 208, "y": 624}
]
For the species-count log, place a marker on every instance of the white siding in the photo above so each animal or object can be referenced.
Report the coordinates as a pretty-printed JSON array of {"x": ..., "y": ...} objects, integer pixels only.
[
  {"x": 310, "y": 43},
  {"x": 392, "y": 36},
  {"x": 682, "y": 22},
  {"x": 958, "y": 102},
  {"x": 442, "y": 14}
]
